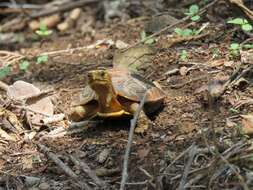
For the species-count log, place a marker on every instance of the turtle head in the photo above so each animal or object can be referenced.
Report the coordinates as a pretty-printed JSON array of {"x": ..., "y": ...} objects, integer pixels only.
[
  {"x": 99, "y": 78},
  {"x": 100, "y": 81}
]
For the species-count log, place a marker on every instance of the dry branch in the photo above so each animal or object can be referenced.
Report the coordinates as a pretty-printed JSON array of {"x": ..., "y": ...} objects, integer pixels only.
[
  {"x": 88, "y": 171},
  {"x": 129, "y": 143},
  {"x": 172, "y": 25},
  {"x": 64, "y": 7},
  {"x": 61, "y": 165}
]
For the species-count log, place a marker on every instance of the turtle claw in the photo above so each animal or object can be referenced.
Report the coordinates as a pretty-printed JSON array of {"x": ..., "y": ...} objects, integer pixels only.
[{"x": 142, "y": 123}]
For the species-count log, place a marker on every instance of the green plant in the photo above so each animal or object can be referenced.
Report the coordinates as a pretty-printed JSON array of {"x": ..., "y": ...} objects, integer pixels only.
[
  {"x": 183, "y": 55},
  {"x": 243, "y": 23},
  {"x": 24, "y": 65},
  {"x": 186, "y": 32},
  {"x": 43, "y": 30},
  {"x": 42, "y": 59},
  {"x": 234, "y": 49},
  {"x": 216, "y": 52},
  {"x": 235, "y": 111},
  {"x": 247, "y": 46},
  {"x": 145, "y": 40},
  {"x": 4, "y": 71},
  {"x": 193, "y": 12}
]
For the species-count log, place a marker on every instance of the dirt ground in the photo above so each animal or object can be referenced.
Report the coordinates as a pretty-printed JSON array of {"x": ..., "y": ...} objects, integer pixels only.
[{"x": 195, "y": 139}]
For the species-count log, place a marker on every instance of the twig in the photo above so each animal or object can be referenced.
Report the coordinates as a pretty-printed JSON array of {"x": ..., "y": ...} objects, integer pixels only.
[
  {"x": 129, "y": 143},
  {"x": 177, "y": 158},
  {"x": 171, "y": 26},
  {"x": 4, "y": 86},
  {"x": 187, "y": 82},
  {"x": 241, "y": 179},
  {"x": 192, "y": 153},
  {"x": 64, "y": 7},
  {"x": 88, "y": 171},
  {"x": 193, "y": 180},
  {"x": 138, "y": 183},
  {"x": 244, "y": 72},
  {"x": 92, "y": 46},
  {"x": 63, "y": 166}
]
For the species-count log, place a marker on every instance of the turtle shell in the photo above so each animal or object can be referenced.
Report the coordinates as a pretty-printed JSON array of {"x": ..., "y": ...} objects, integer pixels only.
[
  {"x": 133, "y": 86},
  {"x": 128, "y": 88}
]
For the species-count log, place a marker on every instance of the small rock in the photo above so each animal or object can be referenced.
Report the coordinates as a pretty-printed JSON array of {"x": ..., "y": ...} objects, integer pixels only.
[
  {"x": 121, "y": 45},
  {"x": 44, "y": 186},
  {"x": 31, "y": 188},
  {"x": 75, "y": 13},
  {"x": 103, "y": 155}
]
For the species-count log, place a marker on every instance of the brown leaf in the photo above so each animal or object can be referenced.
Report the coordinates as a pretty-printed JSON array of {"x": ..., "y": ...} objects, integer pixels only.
[
  {"x": 217, "y": 63},
  {"x": 21, "y": 90},
  {"x": 183, "y": 71},
  {"x": 142, "y": 153},
  {"x": 247, "y": 124}
]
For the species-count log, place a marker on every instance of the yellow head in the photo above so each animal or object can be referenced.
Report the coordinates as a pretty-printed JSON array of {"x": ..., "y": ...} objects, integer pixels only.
[
  {"x": 99, "y": 78},
  {"x": 100, "y": 81}
]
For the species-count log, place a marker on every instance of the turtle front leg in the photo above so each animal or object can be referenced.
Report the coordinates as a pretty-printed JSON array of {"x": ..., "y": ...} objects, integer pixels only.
[
  {"x": 83, "y": 112},
  {"x": 142, "y": 122}
]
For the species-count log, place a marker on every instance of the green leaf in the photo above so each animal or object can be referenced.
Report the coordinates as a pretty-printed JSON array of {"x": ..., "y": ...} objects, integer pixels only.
[
  {"x": 44, "y": 33},
  {"x": 238, "y": 21},
  {"x": 234, "y": 46},
  {"x": 195, "y": 18},
  {"x": 4, "y": 71},
  {"x": 179, "y": 31},
  {"x": 232, "y": 110},
  {"x": 143, "y": 35},
  {"x": 245, "y": 21},
  {"x": 43, "y": 27},
  {"x": 187, "y": 32},
  {"x": 150, "y": 41},
  {"x": 24, "y": 65},
  {"x": 43, "y": 30},
  {"x": 194, "y": 9},
  {"x": 247, "y": 27},
  {"x": 42, "y": 59},
  {"x": 184, "y": 55},
  {"x": 248, "y": 46}
]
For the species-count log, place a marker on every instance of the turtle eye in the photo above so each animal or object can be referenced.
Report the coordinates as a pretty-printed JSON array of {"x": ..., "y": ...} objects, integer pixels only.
[{"x": 103, "y": 74}]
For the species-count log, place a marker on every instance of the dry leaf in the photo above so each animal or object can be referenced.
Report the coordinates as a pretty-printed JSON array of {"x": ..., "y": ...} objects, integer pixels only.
[
  {"x": 183, "y": 71},
  {"x": 217, "y": 63},
  {"x": 121, "y": 45},
  {"x": 230, "y": 123},
  {"x": 247, "y": 124},
  {"x": 135, "y": 58},
  {"x": 247, "y": 56},
  {"x": 10, "y": 119},
  {"x": 21, "y": 90},
  {"x": 6, "y": 136},
  {"x": 240, "y": 4},
  {"x": 27, "y": 162},
  {"x": 142, "y": 153}
]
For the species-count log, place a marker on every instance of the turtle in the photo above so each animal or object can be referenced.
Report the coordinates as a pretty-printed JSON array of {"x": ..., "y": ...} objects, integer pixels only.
[{"x": 116, "y": 92}]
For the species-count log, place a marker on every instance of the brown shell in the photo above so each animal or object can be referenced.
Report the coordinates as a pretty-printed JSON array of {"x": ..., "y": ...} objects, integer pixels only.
[
  {"x": 129, "y": 86},
  {"x": 133, "y": 87}
]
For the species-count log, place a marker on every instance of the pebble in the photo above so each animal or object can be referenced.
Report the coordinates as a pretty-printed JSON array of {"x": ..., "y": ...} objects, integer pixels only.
[
  {"x": 44, "y": 186},
  {"x": 32, "y": 188}
]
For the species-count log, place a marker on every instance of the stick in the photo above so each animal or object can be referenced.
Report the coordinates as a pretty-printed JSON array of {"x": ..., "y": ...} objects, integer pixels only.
[
  {"x": 171, "y": 26},
  {"x": 176, "y": 159},
  {"x": 129, "y": 143},
  {"x": 88, "y": 171},
  {"x": 64, "y": 7},
  {"x": 192, "y": 153},
  {"x": 63, "y": 166},
  {"x": 4, "y": 86}
]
